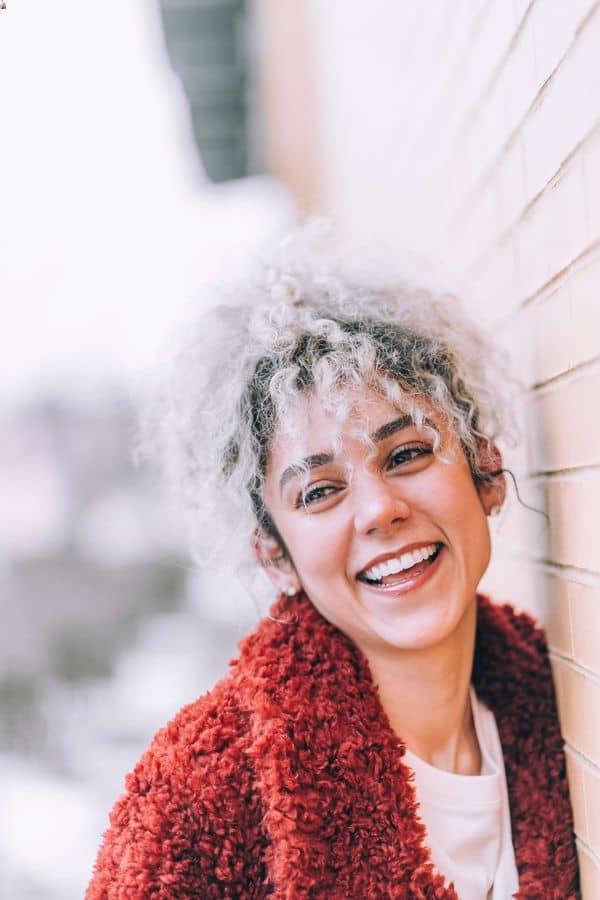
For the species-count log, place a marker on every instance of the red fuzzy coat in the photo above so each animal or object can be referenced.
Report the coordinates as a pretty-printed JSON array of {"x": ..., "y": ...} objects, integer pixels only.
[{"x": 287, "y": 780}]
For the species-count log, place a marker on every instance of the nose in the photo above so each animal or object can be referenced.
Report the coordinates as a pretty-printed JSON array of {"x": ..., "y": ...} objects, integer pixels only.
[{"x": 379, "y": 507}]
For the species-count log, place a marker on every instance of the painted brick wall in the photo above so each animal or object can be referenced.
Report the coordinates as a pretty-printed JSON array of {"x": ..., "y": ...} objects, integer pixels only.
[
  {"x": 468, "y": 131},
  {"x": 536, "y": 199}
]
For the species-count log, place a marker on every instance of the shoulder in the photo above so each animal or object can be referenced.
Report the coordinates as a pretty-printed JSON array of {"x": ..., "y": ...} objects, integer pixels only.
[
  {"x": 504, "y": 624},
  {"x": 202, "y": 736},
  {"x": 181, "y": 826},
  {"x": 511, "y": 663},
  {"x": 512, "y": 675},
  {"x": 511, "y": 654}
]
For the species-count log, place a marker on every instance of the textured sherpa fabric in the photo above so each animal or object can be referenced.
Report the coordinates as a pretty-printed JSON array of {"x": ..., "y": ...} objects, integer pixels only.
[{"x": 287, "y": 780}]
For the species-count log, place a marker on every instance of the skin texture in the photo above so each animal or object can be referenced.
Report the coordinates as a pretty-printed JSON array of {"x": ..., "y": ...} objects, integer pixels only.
[{"x": 372, "y": 500}]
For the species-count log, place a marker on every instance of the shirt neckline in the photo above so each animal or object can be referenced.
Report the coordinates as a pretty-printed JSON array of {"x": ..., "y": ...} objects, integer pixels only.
[{"x": 450, "y": 788}]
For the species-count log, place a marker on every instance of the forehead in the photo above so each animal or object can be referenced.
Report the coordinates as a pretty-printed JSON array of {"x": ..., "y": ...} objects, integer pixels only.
[{"x": 314, "y": 424}]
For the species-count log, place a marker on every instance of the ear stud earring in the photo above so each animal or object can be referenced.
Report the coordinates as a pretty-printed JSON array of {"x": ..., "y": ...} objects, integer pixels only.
[
  {"x": 291, "y": 591},
  {"x": 495, "y": 510}
]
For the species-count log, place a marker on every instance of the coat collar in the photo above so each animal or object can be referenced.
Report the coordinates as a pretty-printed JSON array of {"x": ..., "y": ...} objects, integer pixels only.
[{"x": 339, "y": 803}]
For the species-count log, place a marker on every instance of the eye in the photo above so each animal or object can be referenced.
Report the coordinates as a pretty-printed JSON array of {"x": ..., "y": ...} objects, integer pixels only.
[
  {"x": 314, "y": 494},
  {"x": 407, "y": 454}
]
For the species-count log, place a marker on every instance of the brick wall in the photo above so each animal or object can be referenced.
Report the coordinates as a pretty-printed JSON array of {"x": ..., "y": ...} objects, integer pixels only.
[{"x": 468, "y": 132}]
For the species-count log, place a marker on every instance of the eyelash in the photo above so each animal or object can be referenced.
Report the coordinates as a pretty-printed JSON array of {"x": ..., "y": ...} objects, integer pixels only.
[
  {"x": 308, "y": 498},
  {"x": 414, "y": 449},
  {"x": 319, "y": 492}
]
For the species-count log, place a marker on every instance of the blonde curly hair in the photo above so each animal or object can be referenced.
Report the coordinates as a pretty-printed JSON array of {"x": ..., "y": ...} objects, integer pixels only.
[{"x": 309, "y": 322}]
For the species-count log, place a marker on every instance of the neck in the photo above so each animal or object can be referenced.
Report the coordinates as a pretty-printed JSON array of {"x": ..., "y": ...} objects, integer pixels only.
[{"x": 425, "y": 694}]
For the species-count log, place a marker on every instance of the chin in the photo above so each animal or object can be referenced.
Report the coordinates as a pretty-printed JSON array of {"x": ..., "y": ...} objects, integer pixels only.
[{"x": 421, "y": 628}]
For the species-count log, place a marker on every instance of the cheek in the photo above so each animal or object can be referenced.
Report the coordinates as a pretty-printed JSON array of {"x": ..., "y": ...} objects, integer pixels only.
[
  {"x": 471, "y": 528},
  {"x": 318, "y": 547},
  {"x": 453, "y": 499}
]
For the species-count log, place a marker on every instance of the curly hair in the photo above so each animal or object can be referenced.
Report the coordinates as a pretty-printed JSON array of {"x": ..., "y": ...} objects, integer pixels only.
[{"x": 309, "y": 322}]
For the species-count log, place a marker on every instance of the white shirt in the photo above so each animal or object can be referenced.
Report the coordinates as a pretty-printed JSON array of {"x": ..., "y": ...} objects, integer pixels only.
[{"x": 467, "y": 818}]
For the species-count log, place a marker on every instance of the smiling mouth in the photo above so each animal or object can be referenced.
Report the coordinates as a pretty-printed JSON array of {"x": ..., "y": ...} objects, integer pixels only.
[{"x": 402, "y": 569}]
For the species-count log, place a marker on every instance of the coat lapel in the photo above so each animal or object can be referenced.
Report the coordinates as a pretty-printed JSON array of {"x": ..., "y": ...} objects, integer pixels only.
[
  {"x": 512, "y": 676},
  {"x": 339, "y": 804}
]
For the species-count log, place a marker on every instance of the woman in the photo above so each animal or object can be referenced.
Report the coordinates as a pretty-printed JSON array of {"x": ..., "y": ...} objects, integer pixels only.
[{"x": 386, "y": 731}]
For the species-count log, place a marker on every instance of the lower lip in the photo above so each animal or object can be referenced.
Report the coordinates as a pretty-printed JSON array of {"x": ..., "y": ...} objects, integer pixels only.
[{"x": 410, "y": 584}]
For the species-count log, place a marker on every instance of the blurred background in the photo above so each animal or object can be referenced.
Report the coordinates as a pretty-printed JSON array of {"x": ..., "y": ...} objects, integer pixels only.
[{"x": 147, "y": 147}]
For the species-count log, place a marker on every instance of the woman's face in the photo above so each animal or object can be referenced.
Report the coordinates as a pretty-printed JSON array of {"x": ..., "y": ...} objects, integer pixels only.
[{"x": 388, "y": 541}]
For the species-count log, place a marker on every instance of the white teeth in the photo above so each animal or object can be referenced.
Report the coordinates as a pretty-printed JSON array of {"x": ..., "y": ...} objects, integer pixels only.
[{"x": 400, "y": 563}]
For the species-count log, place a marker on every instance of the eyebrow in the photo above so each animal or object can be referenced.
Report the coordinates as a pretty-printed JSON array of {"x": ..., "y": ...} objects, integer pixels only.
[
  {"x": 391, "y": 428},
  {"x": 315, "y": 460},
  {"x": 309, "y": 462}
]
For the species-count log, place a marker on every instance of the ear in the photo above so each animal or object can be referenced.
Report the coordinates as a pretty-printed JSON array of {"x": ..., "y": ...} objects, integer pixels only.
[
  {"x": 492, "y": 490},
  {"x": 275, "y": 563}
]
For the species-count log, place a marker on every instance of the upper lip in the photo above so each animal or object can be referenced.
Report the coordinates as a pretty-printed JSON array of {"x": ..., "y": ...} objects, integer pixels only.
[{"x": 394, "y": 554}]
